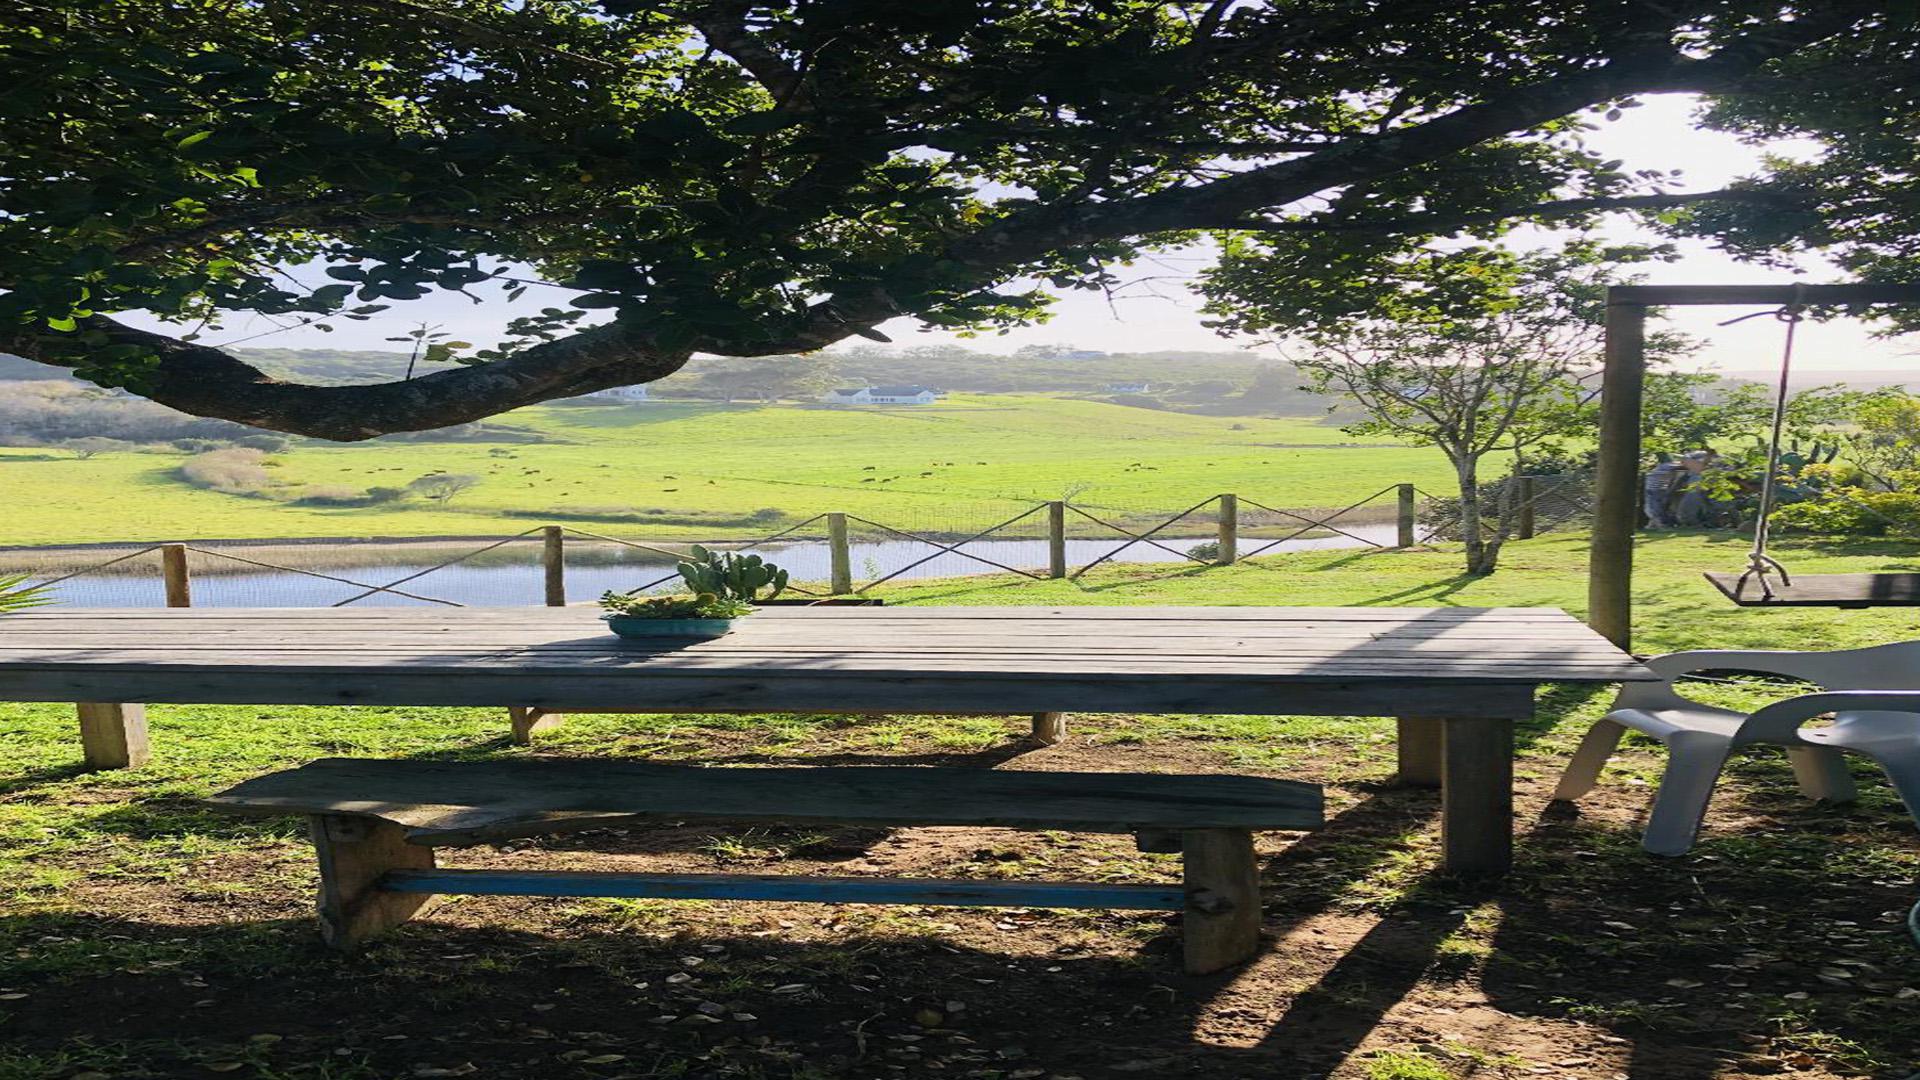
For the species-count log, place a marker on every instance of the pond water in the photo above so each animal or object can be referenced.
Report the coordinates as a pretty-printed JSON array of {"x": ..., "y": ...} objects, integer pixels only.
[{"x": 511, "y": 576}]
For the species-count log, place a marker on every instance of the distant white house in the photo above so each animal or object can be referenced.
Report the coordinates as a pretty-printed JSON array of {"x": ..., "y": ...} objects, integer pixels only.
[
  {"x": 1127, "y": 388},
  {"x": 620, "y": 393},
  {"x": 881, "y": 395}
]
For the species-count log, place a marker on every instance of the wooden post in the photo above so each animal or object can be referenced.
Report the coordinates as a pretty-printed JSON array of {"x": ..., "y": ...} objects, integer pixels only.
[
  {"x": 1049, "y": 728},
  {"x": 1057, "y": 539},
  {"x": 1616, "y": 502},
  {"x": 1229, "y": 531},
  {"x": 354, "y": 852},
  {"x": 1406, "y": 517},
  {"x": 1525, "y": 493},
  {"x": 553, "y": 560},
  {"x": 1417, "y": 745},
  {"x": 173, "y": 570},
  {"x": 840, "y": 554},
  {"x": 113, "y": 735},
  {"x": 1222, "y": 924},
  {"x": 1476, "y": 795}
]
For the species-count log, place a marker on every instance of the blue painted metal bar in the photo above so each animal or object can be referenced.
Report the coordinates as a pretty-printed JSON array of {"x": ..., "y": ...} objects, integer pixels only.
[{"x": 835, "y": 890}]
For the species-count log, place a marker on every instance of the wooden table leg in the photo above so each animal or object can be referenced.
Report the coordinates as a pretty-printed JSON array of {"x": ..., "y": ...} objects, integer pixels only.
[
  {"x": 1476, "y": 795},
  {"x": 113, "y": 735},
  {"x": 1418, "y": 741}
]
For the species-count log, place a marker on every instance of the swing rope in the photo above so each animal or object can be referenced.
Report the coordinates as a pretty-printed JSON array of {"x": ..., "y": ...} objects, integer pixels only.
[{"x": 1760, "y": 565}]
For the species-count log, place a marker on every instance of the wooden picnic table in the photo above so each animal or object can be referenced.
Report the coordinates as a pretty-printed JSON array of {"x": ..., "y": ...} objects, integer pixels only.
[{"x": 1456, "y": 678}]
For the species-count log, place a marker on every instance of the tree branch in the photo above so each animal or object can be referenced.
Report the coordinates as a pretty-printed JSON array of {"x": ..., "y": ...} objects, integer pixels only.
[
  {"x": 1438, "y": 224},
  {"x": 207, "y": 382}
]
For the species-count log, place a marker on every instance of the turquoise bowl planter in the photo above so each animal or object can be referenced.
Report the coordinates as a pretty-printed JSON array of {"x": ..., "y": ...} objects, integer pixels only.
[{"x": 632, "y": 626}]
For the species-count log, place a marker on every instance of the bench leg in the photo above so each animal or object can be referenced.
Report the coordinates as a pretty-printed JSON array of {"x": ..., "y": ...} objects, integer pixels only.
[
  {"x": 354, "y": 852},
  {"x": 1049, "y": 727},
  {"x": 1418, "y": 745},
  {"x": 113, "y": 735},
  {"x": 1222, "y": 925},
  {"x": 527, "y": 719}
]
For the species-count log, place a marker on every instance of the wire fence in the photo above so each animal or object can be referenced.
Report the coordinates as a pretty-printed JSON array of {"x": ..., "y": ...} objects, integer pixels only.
[{"x": 826, "y": 555}]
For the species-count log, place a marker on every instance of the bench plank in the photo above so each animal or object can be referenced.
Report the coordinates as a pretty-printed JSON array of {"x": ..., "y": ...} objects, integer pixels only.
[
  {"x": 450, "y": 804},
  {"x": 835, "y": 890}
]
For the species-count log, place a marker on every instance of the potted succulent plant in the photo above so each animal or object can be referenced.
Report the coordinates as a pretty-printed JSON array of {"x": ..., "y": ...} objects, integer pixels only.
[{"x": 724, "y": 587}]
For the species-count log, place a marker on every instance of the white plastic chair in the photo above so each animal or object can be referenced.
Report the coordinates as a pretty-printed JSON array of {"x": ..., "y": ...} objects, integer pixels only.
[{"x": 1874, "y": 694}]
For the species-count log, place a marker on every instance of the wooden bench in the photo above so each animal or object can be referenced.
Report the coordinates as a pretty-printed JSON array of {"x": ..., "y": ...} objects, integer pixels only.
[{"x": 375, "y": 824}]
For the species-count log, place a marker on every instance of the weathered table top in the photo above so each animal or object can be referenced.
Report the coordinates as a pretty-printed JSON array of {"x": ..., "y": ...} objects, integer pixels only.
[{"x": 1333, "y": 661}]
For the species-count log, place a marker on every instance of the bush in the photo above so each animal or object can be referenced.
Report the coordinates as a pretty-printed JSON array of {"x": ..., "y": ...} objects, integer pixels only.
[
  {"x": 1207, "y": 550},
  {"x": 378, "y": 495},
  {"x": 330, "y": 495},
  {"x": 1852, "y": 511},
  {"x": 235, "y": 471},
  {"x": 766, "y": 515},
  {"x": 269, "y": 444}
]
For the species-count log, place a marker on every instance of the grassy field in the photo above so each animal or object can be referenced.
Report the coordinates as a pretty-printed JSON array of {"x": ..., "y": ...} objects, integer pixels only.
[
  {"x": 697, "y": 471},
  {"x": 142, "y": 936}
]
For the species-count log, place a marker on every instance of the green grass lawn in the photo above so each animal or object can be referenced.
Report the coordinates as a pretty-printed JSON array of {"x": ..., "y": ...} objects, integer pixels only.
[
  {"x": 702, "y": 469},
  {"x": 143, "y": 936}
]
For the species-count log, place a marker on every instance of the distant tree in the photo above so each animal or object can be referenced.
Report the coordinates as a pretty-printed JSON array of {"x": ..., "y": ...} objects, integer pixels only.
[
  {"x": 1483, "y": 354},
  {"x": 771, "y": 378},
  {"x": 1885, "y": 441},
  {"x": 442, "y": 487},
  {"x": 1272, "y": 387}
]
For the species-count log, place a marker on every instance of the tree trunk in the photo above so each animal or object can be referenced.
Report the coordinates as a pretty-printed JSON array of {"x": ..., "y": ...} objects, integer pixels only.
[{"x": 1480, "y": 558}]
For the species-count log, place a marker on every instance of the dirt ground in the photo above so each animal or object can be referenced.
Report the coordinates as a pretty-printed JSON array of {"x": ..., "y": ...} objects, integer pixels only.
[{"x": 1775, "y": 949}]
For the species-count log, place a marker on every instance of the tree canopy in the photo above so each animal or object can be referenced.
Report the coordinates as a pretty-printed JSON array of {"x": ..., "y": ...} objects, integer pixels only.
[{"x": 753, "y": 179}]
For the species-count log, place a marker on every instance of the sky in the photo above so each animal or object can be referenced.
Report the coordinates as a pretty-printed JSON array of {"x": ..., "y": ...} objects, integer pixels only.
[{"x": 1154, "y": 311}]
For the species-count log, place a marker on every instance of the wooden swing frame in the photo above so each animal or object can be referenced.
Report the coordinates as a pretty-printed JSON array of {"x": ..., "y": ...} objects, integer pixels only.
[{"x": 1616, "y": 504}]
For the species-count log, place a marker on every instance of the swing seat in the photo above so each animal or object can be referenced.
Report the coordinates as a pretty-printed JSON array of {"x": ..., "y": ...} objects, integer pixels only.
[{"x": 1823, "y": 590}]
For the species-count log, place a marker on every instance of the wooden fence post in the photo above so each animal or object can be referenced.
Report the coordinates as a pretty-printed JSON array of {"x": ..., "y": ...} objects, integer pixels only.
[
  {"x": 1524, "y": 530},
  {"x": 553, "y": 560},
  {"x": 173, "y": 571},
  {"x": 840, "y": 553},
  {"x": 1406, "y": 517},
  {"x": 1057, "y": 539},
  {"x": 1229, "y": 531}
]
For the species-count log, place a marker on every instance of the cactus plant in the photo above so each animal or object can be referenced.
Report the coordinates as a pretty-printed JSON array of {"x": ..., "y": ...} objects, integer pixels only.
[{"x": 730, "y": 576}]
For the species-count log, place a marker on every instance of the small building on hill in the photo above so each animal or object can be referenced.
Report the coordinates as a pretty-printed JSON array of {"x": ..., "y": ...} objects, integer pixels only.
[
  {"x": 881, "y": 395},
  {"x": 620, "y": 393}
]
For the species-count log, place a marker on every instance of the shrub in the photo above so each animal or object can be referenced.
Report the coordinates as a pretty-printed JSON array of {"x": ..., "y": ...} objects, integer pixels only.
[
  {"x": 1851, "y": 511},
  {"x": 1207, "y": 550},
  {"x": 94, "y": 444},
  {"x": 441, "y": 487},
  {"x": 766, "y": 515},
  {"x": 235, "y": 471},
  {"x": 378, "y": 495},
  {"x": 330, "y": 495},
  {"x": 271, "y": 444}
]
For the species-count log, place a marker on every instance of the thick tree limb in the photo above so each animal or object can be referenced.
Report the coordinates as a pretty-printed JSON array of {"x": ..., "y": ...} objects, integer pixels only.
[
  {"x": 207, "y": 382},
  {"x": 1442, "y": 223}
]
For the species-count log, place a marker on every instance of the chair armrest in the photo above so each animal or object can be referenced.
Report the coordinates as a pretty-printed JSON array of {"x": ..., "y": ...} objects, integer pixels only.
[{"x": 1780, "y": 721}]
